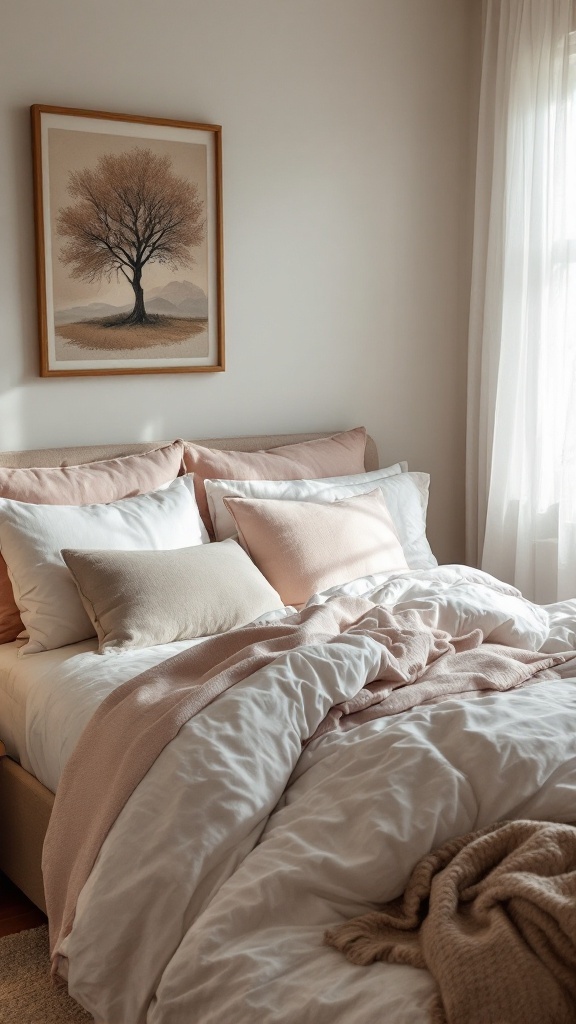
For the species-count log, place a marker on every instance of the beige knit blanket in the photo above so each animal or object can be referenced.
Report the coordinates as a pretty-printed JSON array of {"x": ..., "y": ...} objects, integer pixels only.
[
  {"x": 137, "y": 720},
  {"x": 492, "y": 915}
]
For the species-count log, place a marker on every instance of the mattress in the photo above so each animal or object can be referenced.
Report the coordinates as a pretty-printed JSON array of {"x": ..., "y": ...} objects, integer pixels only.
[
  {"x": 18, "y": 678},
  {"x": 46, "y": 699}
]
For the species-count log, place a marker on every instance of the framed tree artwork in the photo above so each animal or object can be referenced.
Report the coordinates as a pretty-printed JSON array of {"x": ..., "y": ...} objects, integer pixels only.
[{"x": 128, "y": 215}]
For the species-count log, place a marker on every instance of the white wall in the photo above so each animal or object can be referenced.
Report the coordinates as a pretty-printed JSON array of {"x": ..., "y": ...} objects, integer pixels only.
[{"x": 347, "y": 197}]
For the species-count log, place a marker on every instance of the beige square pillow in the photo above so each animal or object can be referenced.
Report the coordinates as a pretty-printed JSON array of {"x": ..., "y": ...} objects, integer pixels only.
[
  {"x": 142, "y": 598},
  {"x": 94, "y": 482},
  {"x": 303, "y": 547},
  {"x": 337, "y": 455}
]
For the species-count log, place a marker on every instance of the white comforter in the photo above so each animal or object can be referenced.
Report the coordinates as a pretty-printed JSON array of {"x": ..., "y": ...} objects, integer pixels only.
[{"x": 210, "y": 897}]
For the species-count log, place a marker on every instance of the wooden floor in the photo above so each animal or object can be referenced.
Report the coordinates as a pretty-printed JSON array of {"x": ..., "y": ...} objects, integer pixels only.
[{"x": 16, "y": 910}]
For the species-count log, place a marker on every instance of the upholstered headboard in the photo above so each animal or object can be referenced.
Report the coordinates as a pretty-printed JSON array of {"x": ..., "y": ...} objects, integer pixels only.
[{"x": 75, "y": 456}]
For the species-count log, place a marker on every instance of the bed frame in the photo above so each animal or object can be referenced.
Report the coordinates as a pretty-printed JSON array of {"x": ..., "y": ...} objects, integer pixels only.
[{"x": 25, "y": 804}]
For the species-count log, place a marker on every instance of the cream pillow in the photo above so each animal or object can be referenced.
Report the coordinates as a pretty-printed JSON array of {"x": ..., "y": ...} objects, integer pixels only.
[
  {"x": 303, "y": 547},
  {"x": 139, "y": 599},
  {"x": 32, "y": 537},
  {"x": 405, "y": 494}
]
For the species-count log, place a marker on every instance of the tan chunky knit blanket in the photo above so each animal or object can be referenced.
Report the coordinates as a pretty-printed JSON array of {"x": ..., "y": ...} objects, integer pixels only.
[{"x": 492, "y": 916}]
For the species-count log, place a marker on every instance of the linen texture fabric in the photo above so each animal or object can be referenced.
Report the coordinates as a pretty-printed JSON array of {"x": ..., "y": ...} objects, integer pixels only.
[
  {"x": 339, "y": 454},
  {"x": 291, "y": 490},
  {"x": 416, "y": 779},
  {"x": 104, "y": 481},
  {"x": 138, "y": 599},
  {"x": 33, "y": 536},
  {"x": 303, "y": 547},
  {"x": 405, "y": 494}
]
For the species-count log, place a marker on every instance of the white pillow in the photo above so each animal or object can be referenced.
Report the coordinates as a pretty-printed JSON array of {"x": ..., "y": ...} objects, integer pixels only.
[
  {"x": 291, "y": 490},
  {"x": 406, "y": 495},
  {"x": 32, "y": 537}
]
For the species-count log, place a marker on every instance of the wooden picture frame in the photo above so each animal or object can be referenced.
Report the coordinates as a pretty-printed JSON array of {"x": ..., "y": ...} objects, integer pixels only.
[{"x": 129, "y": 249}]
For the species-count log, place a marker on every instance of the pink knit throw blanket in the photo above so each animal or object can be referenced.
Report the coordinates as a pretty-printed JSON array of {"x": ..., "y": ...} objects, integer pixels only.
[
  {"x": 492, "y": 915},
  {"x": 138, "y": 719}
]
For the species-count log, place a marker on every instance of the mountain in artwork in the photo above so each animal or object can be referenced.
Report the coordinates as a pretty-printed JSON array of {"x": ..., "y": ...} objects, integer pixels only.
[{"x": 177, "y": 299}]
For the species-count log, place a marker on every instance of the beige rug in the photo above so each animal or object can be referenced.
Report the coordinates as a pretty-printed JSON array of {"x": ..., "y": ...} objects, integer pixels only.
[{"x": 27, "y": 992}]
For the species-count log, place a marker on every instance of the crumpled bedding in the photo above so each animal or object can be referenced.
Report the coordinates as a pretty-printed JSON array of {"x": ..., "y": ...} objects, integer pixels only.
[
  {"x": 411, "y": 665},
  {"x": 211, "y": 895}
]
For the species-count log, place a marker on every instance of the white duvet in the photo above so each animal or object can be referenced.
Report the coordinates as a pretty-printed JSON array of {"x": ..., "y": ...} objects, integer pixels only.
[{"x": 210, "y": 897}]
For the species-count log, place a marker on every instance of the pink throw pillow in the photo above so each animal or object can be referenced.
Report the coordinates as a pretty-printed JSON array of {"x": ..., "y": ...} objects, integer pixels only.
[
  {"x": 338, "y": 455},
  {"x": 302, "y": 547},
  {"x": 88, "y": 484}
]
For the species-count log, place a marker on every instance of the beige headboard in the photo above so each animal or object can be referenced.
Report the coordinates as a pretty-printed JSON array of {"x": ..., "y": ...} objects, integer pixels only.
[{"x": 92, "y": 453}]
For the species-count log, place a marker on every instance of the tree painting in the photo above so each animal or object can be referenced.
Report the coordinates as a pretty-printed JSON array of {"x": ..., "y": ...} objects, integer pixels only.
[
  {"x": 129, "y": 243},
  {"x": 130, "y": 211}
]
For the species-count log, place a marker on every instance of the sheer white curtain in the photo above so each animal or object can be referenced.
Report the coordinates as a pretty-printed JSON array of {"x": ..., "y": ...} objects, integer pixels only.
[{"x": 521, "y": 447}]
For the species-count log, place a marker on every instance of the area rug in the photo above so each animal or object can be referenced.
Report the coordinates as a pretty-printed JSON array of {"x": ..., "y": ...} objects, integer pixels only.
[{"x": 27, "y": 992}]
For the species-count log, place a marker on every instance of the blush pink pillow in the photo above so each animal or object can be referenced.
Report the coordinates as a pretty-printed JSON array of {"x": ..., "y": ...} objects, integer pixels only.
[
  {"x": 92, "y": 483},
  {"x": 338, "y": 455},
  {"x": 302, "y": 547}
]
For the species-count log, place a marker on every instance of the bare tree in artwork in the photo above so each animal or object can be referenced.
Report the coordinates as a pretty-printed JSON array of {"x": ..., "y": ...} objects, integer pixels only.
[{"x": 131, "y": 210}]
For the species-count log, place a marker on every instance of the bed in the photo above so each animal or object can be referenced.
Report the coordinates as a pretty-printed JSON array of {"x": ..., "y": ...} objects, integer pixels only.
[
  {"x": 25, "y": 804},
  {"x": 203, "y": 874}
]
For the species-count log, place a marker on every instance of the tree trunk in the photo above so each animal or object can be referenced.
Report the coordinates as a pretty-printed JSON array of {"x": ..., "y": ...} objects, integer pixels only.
[{"x": 138, "y": 314}]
